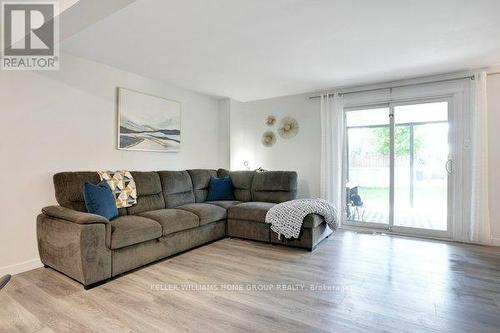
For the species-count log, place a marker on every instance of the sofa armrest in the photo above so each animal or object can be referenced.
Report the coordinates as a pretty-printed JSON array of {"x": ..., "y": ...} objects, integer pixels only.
[
  {"x": 73, "y": 215},
  {"x": 81, "y": 251}
]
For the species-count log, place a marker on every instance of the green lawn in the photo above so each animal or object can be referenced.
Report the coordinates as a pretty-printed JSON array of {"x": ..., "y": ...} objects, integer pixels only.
[{"x": 423, "y": 196}]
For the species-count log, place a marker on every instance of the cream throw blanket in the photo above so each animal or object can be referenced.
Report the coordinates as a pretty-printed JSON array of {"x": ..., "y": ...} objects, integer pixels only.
[{"x": 286, "y": 218}]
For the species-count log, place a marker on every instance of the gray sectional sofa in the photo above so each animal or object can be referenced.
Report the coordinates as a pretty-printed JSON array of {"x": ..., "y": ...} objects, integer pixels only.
[{"x": 171, "y": 216}]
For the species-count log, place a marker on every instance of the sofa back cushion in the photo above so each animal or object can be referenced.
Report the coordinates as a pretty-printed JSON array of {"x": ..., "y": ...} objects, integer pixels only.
[
  {"x": 68, "y": 188},
  {"x": 274, "y": 186},
  {"x": 149, "y": 192},
  {"x": 200, "y": 179},
  {"x": 242, "y": 183},
  {"x": 177, "y": 188}
]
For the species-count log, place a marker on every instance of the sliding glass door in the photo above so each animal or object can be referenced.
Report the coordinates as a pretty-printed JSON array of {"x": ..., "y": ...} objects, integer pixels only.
[
  {"x": 399, "y": 166},
  {"x": 368, "y": 172},
  {"x": 421, "y": 157}
]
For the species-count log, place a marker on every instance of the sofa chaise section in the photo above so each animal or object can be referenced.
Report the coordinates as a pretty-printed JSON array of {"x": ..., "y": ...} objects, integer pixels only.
[
  {"x": 261, "y": 191},
  {"x": 247, "y": 220}
]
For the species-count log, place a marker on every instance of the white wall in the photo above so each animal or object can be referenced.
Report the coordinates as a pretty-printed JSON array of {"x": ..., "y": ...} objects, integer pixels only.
[
  {"x": 66, "y": 120},
  {"x": 301, "y": 153},
  {"x": 224, "y": 131}
]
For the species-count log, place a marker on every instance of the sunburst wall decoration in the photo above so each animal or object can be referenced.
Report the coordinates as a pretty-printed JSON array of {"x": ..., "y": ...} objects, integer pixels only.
[
  {"x": 270, "y": 120},
  {"x": 289, "y": 127},
  {"x": 268, "y": 139}
]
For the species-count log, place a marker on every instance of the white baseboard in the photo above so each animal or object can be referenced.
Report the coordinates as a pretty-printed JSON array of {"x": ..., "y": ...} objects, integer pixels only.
[{"x": 21, "y": 267}]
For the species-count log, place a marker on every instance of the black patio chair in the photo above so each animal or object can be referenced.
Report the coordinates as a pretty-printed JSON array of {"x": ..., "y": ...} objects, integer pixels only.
[{"x": 356, "y": 203}]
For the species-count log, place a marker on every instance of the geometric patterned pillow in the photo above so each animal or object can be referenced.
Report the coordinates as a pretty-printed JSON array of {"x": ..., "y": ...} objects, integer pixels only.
[{"x": 122, "y": 185}]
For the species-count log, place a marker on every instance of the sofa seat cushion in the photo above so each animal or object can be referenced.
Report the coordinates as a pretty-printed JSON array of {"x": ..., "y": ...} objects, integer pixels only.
[
  {"x": 224, "y": 203},
  {"x": 250, "y": 211},
  {"x": 206, "y": 213},
  {"x": 173, "y": 220},
  {"x": 132, "y": 229},
  {"x": 312, "y": 221}
]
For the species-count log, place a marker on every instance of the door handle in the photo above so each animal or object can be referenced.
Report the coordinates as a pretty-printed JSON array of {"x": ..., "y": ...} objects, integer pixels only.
[{"x": 449, "y": 166}]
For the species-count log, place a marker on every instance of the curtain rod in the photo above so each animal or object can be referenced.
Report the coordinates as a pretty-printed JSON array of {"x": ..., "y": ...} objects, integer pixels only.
[{"x": 471, "y": 77}]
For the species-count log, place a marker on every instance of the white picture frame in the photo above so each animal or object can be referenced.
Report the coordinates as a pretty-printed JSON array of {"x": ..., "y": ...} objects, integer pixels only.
[{"x": 147, "y": 122}]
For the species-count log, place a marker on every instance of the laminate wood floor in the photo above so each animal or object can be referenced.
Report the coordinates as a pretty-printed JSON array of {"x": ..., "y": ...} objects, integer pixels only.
[{"x": 352, "y": 283}]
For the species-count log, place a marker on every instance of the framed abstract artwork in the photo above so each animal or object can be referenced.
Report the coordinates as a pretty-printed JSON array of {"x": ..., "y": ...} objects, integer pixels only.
[{"x": 147, "y": 122}]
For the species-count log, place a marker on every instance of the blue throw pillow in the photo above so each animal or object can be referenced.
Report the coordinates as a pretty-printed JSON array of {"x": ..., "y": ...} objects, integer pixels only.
[
  {"x": 220, "y": 189},
  {"x": 99, "y": 200}
]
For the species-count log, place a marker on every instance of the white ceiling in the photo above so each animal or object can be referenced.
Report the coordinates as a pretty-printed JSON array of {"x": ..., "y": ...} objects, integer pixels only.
[{"x": 254, "y": 49}]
